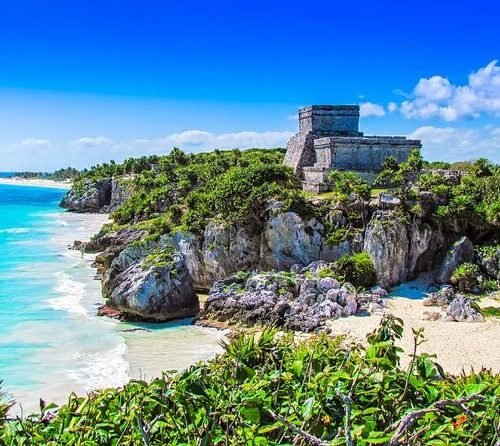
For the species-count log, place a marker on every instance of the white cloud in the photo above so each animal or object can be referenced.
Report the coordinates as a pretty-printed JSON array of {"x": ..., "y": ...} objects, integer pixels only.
[
  {"x": 34, "y": 143},
  {"x": 452, "y": 144},
  {"x": 98, "y": 141},
  {"x": 437, "y": 97},
  {"x": 200, "y": 139},
  {"x": 392, "y": 107},
  {"x": 367, "y": 109}
]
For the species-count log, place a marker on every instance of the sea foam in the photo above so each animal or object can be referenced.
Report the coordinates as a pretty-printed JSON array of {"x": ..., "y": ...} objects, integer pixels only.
[{"x": 71, "y": 294}]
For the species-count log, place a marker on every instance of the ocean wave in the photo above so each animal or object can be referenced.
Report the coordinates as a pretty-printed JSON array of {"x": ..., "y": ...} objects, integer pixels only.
[
  {"x": 71, "y": 293},
  {"x": 14, "y": 231},
  {"x": 102, "y": 369}
]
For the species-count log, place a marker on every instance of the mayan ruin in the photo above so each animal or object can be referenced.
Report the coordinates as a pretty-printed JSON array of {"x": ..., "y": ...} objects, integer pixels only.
[{"x": 329, "y": 138}]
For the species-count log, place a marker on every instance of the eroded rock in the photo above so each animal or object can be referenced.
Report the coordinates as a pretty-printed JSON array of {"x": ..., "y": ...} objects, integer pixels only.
[{"x": 461, "y": 251}]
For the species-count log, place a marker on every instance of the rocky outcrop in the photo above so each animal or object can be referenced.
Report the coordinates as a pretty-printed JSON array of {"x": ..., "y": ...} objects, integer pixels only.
[
  {"x": 301, "y": 301},
  {"x": 461, "y": 251},
  {"x": 96, "y": 196},
  {"x": 90, "y": 197},
  {"x": 401, "y": 250},
  {"x": 284, "y": 239},
  {"x": 158, "y": 290},
  {"x": 440, "y": 298},
  {"x": 288, "y": 239},
  {"x": 120, "y": 193},
  {"x": 461, "y": 310},
  {"x": 489, "y": 259}
]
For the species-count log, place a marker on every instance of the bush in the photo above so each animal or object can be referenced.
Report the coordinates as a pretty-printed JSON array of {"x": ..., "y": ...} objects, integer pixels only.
[
  {"x": 356, "y": 268},
  {"x": 465, "y": 276}
]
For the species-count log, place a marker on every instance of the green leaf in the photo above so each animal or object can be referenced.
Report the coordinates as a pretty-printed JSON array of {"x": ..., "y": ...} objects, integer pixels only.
[
  {"x": 297, "y": 366},
  {"x": 251, "y": 414},
  {"x": 307, "y": 408},
  {"x": 374, "y": 439}
]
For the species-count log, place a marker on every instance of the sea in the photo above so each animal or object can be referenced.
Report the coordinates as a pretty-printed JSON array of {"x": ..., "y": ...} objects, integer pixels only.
[{"x": 52, "y": 342}]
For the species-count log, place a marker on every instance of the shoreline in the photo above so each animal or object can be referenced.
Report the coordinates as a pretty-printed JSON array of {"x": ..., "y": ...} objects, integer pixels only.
[{"x": 15, "y": 181}]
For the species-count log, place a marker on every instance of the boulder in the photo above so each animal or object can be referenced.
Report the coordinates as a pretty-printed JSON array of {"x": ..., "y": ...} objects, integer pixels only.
[
  {"x": 387, "y": 241},
  {"x": 154, "y": 293},
  {"x": 461, "y": 251},
  {"x": 351, "y": 307},
  {"x": 387, "y": 201},
  {"x": 441, "y": 297},
  {"x": 460, "y": 310}
]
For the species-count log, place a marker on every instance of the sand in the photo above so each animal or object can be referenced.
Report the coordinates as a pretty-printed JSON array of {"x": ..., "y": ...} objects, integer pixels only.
[
  {"x": 14, "y": 181},
  {"x": 458, "y": 345}
]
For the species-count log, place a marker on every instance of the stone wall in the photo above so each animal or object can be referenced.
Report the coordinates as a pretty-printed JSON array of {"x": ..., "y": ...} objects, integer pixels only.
[
  {"x": 329, "y": 119},
  {"x": 300, "y": 152},
  {"x": 329, "y": 139},
  {"x": 363, "y": 153}
]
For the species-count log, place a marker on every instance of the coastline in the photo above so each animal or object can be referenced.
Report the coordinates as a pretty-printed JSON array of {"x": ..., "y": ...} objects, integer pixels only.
[
  {"x": 72, "y": 359},
  {"x": 15, "y": 181}
]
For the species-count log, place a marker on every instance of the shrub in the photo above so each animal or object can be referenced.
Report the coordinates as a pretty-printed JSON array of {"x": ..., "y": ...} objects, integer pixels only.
[
  {"x": 356, "y": 268},
  {"x": 270, "y": 390},
  {"x": 465, "y": 276}
]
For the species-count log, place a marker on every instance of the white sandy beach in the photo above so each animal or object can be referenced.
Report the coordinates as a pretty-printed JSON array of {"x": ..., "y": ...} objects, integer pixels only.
[
  {"x": 14, "y": 181},
  {"x": 458, "y": 345}
]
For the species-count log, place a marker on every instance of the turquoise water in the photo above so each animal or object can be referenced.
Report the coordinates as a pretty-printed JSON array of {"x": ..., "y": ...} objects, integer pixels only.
[{"x": 52, "y": 341}]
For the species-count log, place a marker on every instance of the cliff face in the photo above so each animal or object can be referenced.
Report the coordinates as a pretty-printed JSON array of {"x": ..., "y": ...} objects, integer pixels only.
[
  {"x": 400, "y": 247},
  {"x": 400, "y": 250},
  {"x": 96, "y": 196}
]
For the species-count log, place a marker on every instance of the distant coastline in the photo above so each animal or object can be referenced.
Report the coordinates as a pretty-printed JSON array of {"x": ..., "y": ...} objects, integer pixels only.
[{"x": 16, "y": 181}]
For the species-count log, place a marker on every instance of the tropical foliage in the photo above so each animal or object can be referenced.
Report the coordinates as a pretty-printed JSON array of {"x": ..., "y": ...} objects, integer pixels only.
[
  {"x": 269, "y": 390},
  {"x": 184, "y": 191}
]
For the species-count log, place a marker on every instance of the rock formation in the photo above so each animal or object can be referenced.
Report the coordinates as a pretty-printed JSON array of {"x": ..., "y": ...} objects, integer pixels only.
[
  {"x": 150, "y": 289},
  {"x": 461, "y": 251},
  {"x": 300, "y": 301},
  {"x": 96, "y": 196}
]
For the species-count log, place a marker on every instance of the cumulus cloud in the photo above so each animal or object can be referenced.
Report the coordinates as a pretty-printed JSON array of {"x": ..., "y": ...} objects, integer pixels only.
[
  {"x": 34, "y": 143},
  {"x": 452, "y": 144},
  {"x": 392, "y": 107},
  {"x": 97, "y": 141},
  {"x": 367, "y": 109},
  {"x": 200, "y": 139},
  {"x": 437, "y": 97}
]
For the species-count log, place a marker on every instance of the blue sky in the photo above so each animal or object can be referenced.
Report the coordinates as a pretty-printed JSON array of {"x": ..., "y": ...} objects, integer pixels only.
[{"x": 84, "y": 82}]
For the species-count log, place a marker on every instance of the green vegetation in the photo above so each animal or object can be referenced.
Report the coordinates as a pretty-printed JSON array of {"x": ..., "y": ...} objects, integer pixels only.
[
  {"x": 160, "y": 258},
  {"x": 357, "y": 269},
  {"x": 270, "y": 390},
  {"x": 185, "y": 191},
  {"x": 465, "y": 276},
  {"x": 491, "y": 311},
  {"x": 349, "y": 186},
  {"x": 400, "y": 177},
  {"x": 477, "y": 197},
  {"x": 68, "y": 173},
  {"x": 5, "y": 405},
  {"x": 353, "y": 194}
]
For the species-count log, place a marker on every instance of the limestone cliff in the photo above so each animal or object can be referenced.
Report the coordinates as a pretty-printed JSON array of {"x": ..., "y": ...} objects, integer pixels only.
[{"x": 96, "y": 196}]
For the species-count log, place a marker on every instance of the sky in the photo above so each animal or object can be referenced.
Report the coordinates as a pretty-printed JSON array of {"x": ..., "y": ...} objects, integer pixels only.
[{"x": 83, "y": 82}]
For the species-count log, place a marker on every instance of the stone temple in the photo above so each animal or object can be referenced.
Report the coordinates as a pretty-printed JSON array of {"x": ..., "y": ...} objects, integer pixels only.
[{"x": 329, "y": 138}]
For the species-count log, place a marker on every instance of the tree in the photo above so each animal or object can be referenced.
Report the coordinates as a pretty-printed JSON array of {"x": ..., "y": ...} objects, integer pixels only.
[
  {"x": 351, "y": 189},
  {"x": 401, "y": 177}
]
